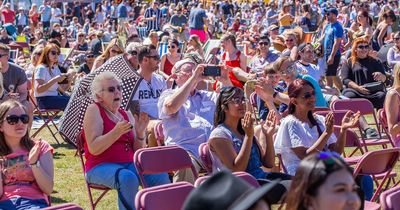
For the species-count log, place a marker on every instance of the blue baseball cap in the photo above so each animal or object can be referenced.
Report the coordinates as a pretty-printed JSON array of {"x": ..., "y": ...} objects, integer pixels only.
[{"x": 333, "y": 10}]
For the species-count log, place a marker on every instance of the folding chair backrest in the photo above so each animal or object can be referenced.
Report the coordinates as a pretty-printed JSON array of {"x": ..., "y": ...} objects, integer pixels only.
[
  {"x": 355, "y": 104},
  {"x": 161, "y": 159},
  {"x": 351, "y": 137},
  {"x": 200, "y": 180},
  {"x": 205, "y": 156},
  {"x": 247, "y": 177},
  {"x": 159, "y": 133},
  {"x": 390, "y": 199},
  {"x": 377, "y": 162},
  {"x": 166, "y": 197}
]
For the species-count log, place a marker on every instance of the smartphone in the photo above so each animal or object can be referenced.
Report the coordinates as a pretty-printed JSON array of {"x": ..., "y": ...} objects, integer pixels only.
[{"x": 213, "y": 71}]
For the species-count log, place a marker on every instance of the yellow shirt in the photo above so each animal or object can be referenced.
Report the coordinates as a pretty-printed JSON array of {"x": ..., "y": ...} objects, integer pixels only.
[{"x": 286, "y": 21}]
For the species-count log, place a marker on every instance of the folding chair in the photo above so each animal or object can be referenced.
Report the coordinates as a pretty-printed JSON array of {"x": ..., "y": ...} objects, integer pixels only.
[
  {"x": 142, "y": 31},
  {"x": 205, "y": 157},
  {"x": 320, "y": 108},
  {"x": 64, "y": 206},
  {"x": 390, "y": 199},
  {"x": 166, "y": 197},
  {"x": 46, "y": 115},
  {"x": 378, "y": 163},
  {"x": 89, "y": 186},
  {"x": 241, "y": 174},
  {"x": 155, "y": 160},
  {"x": 159, "y": 134},
  {"x": 366, "y": 108}
]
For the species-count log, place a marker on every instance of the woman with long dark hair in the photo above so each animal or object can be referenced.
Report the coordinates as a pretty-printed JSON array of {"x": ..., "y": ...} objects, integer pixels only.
[
  {"x": 302, "y": 133},
  {"x": 169, "y": 59},
  {"x": 383, "y": 30},
  {"x": 26, "y": 169}
]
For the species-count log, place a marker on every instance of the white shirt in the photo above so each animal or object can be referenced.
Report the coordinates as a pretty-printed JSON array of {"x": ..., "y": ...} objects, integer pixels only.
[
  {"x": 42, "y": 72},
  {"x": 148, "y": 94},
  {"x": 55, "y": 12},
  {"x": 293, "y": 133},
  {"x": 309, "y": 69}
]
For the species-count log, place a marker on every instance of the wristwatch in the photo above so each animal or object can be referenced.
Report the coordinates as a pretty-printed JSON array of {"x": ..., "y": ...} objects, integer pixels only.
[{"x": 35, "y": 165}]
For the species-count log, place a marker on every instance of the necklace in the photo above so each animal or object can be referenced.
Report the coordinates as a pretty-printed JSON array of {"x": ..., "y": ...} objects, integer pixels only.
[{"x": 112, "y": 114}]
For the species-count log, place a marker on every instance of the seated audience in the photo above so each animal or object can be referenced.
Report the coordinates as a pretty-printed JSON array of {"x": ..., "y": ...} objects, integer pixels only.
[
  {"x": 109, "y": 130},
  {"x": 187, "y": 113},
  {"x": 263, "y": 56},
  {"x": 88, "y": 64},
  {"x": 392, "y": 107},
  {"x": 170, "y": 58},
  {"x": 115, "y": 47},
  {"x": 194, "y": 45},
  {"x": 393, "y": 56},
  {"x": 323, "y": 181},
  {"x": 360, "y": 70},
  {"x": 81, "y": 44},
  {"x": 49, "y": 79},
  {"x": 27, "y": 171}
]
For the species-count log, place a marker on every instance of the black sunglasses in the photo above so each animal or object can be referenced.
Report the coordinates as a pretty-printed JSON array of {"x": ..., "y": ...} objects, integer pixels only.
[
  {"x": 13, "y": 119},
  {"x": 363, "y": 46},
  {"x": 116, "y": 51},
  {"x": 54, "y": 53},
  {"x": 90, "y": 56},
  {"x": 132, "y": 52},
  {"x": 171, "y": 46},
  {"x": 396, "y": 38},
  {"x": 263, "y": 43},
  {"x": 309, "y": 95},
  {"x": 2, "y": 55},
  {"x": 112, "y": 89}
]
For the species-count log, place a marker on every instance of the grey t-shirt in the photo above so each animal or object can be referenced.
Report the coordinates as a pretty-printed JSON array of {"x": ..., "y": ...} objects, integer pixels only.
[
  {"x": 13, "y": 77},
  {"x": 196, "y": 19},
  {"x": 177, "y": 20}
]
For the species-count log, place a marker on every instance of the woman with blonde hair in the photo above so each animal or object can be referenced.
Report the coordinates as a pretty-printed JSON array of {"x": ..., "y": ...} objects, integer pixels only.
[
  {"x": 194, "y": 45},
  {"x": 392, "y": 103},
  {"x": 291, "y": 45},
  {"x": 114, "y": 48},
  {"x": 285, "y": 18}
]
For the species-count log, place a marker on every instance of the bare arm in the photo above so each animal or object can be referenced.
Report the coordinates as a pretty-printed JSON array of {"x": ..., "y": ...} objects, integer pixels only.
[
  {"x": 381, "y": 35},
  {"x": 44, "y": 86},
  {"x": 336, "y": 46},
  {"x": 392, "y": 103},
  {"x": 44, "y": 175}
]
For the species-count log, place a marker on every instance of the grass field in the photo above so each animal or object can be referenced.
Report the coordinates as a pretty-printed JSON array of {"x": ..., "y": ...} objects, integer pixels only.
[{"x": 69, "y": 181}]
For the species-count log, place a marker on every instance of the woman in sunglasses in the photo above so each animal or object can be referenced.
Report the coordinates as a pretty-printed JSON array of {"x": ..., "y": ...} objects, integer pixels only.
[
  {"x": 233, "y": 144},
  {"x": 302, "y": 133},
  {"x": 323, "y": 182},
  {"x": 27, "y": 171},
  {"x": 111, "y": 136},
  {"x": 114, "y": 48},
  {"x": 48, "y": 80},
  {"x": 291, "y": 45},
  {"x": 393, "y": 56},
  {"x": 169, "y": 59},
  {"x": 81, "y": 44},
  {"x": 360, "y": 72}
]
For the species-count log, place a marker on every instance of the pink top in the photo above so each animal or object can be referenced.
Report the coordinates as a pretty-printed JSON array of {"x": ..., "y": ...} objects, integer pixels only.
[
  {"x": 121, "y": 151},
  {"x": 18, "y": 178}
]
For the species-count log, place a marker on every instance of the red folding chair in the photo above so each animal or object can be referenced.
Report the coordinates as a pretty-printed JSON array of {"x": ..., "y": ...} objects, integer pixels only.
[
  {"x": 366, "y": 108},
  {"x": 166, "y": 197},
  {"x": 320, "y": 108},
  {"x": 89, "y": 186},
  {"x": 155, "y": 160},
  {"x": 159, "y": 134},
  {"x": 205, "y": 157},
  {"x": 377, "y": 163},
  {"x": 241, "y": 174},
  {"x": 64, "y": 206},
  {"x": 390, "y": 199},
  {"x": 46, "y": 115},
  {"x": 351, "y": 141}
]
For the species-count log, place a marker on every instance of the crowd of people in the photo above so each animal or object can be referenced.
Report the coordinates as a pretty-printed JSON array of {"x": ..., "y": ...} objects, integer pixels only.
[{"x": 245, "y": 77}]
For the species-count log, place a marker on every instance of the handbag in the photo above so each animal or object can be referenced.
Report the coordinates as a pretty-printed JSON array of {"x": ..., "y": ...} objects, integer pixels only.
[{"x": 374, "y": 87}]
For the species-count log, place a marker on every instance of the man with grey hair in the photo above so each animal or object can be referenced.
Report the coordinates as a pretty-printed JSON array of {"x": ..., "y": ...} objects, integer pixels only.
[
  {"x": 187, "y": 114},
  {"x": 132, "y": 54}
]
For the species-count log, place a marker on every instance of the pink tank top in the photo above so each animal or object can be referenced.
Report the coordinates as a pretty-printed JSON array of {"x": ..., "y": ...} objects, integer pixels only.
[{"x": 121, "y": 151}]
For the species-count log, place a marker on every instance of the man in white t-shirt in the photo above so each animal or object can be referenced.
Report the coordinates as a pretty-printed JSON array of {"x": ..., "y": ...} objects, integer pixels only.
[
  {"x": 150, "y": 88},
  {"x": 55, "y": 14}
]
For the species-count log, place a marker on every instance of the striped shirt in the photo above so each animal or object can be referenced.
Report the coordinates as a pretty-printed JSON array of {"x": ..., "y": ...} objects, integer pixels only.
[{"x": 153, "y": 24}]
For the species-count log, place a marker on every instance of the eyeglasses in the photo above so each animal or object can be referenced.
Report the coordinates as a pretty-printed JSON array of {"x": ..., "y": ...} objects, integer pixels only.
[
  {"x": 13, "y": 119},
  {"x": 54, "y": 53},
  {"x": 115, "y": 51},
  {"x": 363, "y": 47},
  {"x": 171, "y": 46},
  {"x": 132, "y": 52},
  {"x": 263, "y": 43},
  {"x": 112, "y": 89},
  {"x": 238, "y": 101},
  {"x": 308, "y": 95},
  {"x": 155, "y": 57}
]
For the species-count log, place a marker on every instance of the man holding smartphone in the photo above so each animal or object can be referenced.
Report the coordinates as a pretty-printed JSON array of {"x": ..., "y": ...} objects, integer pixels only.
[{"x": 187, "y": 114}]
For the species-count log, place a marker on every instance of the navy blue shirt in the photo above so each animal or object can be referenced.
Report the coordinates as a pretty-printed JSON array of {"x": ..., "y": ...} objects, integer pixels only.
[
  {"x": 332, "y": 32},
  {"x": 196, "y": 19}
]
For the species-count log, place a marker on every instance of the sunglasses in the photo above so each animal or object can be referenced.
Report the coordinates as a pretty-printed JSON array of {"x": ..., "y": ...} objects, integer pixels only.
[
  {"x": 13, "y": 119},
  {"x": 238, "y": 101},
  {"x": 363, "y": 47},
  {"x": 171, "y": 47},
  {"x": 112, "y": 89},
  {"x": 132, "y": 52},
  {"x": 54, "y": 53},
  {"x": 81, "y": 35},
  {"x": 397, "y": 38},
  {"x": 263, "y": 43},
  {"x": 90, "y": 56},
  {"x": 289, "y": 40},
  {"x": 309, "y": 95},
  {"x": 115, "y": 51}
]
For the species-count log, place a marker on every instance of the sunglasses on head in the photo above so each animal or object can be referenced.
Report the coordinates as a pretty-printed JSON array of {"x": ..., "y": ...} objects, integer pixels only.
[
  {"x": 54, "y": 52},
  {"x": 309, "y": 95},
  {"x": 112, "y": 89},
  {"x": 13, "y": 119},
  {"x": 363, "y": 46}
]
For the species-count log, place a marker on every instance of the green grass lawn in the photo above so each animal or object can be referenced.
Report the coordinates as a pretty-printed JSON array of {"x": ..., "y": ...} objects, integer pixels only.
[{"x": 69, "y": 181}]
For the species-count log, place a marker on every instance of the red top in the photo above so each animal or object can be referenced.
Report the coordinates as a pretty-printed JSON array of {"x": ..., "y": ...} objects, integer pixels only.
[
  {"x": 121, "y": 151},
  {"x": 233, "y": 63},
  {"x": 168, "y": 66},
  {"x": 9, "y": 16},
  {"x": 35, "y": 17}
]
